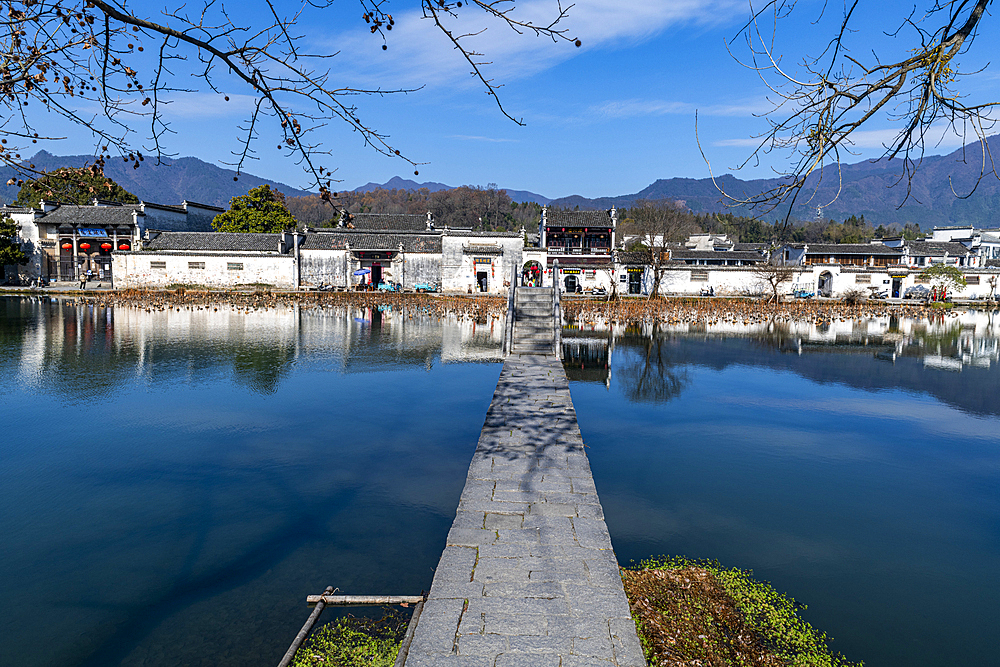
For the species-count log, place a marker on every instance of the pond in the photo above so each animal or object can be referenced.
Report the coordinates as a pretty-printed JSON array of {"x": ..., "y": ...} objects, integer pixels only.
[{"x": 174, "y": 483}]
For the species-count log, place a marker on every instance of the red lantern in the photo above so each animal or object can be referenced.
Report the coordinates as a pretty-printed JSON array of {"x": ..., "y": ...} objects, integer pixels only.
[
  {"x": 84, "y": 246},
  {"x": 106, "y": 246},
  {"x": 123, "y": 246},
  {"x": 67, "y": 246}
]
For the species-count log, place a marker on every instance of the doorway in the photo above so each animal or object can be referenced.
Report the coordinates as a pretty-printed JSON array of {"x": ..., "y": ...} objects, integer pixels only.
[
  {"x": 376, "y": 274},
  {"x": 635, "y": 282},
  {"x": 483, "y": 278},
  {"x": 897, "y": 285},
  {"x": 825, "y": 284},
  {"x": 570, "y": 283}
]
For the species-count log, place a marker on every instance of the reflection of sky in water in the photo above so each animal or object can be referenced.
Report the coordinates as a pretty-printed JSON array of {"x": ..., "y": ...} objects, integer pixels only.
[
  {"x": 189, "y": 476},
  {"x": 875, "y": 505},
  {"x": 176, "y": 484}
]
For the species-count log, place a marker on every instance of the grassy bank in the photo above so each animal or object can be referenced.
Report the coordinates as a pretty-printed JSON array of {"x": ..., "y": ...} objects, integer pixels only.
[{"x": 699, "y": 613}]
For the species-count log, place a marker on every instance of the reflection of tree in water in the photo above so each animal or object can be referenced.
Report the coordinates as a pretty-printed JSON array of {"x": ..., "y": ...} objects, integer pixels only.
[
  {"x": 260, "y": 367},
  {"x": 650, "y": 374}
]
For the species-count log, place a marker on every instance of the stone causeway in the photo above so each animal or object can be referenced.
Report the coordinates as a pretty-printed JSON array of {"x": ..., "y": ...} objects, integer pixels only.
[{"x": 528, "y": 576}]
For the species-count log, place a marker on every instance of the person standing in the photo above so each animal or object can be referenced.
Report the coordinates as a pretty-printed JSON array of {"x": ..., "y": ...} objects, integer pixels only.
[{"x": 83, "y": 280}]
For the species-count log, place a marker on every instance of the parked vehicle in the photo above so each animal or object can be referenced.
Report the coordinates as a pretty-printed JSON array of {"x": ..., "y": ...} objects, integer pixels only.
[
  {"x": 599, "y": 291},
  {"x": 802, "y": 293},
  {"x": 426, "y": 287},
  {"x": 389, "y": 287},
  {"x": 708, "y": 291}
]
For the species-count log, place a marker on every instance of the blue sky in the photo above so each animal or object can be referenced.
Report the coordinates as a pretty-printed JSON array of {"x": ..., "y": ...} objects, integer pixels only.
[{"x": 608, "y": 118}]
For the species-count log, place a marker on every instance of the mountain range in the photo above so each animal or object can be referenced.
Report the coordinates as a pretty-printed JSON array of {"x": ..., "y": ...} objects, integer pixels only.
[
  {"x": 169, "y": 182},
  {"x": 944, "y": 190},
  {"x": 872, "y": 188},
  {"x": 397, "y": 183}
]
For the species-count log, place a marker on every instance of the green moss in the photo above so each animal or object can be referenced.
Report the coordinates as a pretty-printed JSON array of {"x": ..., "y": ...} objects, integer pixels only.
[{"x": 355, "y": 642}]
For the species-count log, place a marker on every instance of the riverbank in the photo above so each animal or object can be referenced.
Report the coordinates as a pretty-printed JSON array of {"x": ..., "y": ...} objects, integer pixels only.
[
  {"x": 734, "y": 311},
  {"x": 576, "y": 310}
]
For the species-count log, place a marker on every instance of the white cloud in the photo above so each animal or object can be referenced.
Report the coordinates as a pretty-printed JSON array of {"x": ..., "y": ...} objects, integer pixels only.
[
  {"x": 637, "y": 108},
  {"x": 421, "y": 54},
  {"x": 200, "y": 105}
]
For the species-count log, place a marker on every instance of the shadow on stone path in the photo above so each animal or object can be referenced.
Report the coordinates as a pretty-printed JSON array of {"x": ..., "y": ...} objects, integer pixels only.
[{"x": 528, "y": 576}]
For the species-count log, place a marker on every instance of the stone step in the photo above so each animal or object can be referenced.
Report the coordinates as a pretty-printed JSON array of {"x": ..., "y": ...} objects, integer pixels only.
[{"x": 533, "y": 349}]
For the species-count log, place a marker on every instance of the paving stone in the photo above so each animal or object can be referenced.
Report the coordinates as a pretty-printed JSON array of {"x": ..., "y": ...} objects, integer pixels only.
[
  {"x": 495, "y": 521},
  {"x": 488, "y": 644},
  {"x": 545, "y": 589},
  {"x": 528, "y": 660}
]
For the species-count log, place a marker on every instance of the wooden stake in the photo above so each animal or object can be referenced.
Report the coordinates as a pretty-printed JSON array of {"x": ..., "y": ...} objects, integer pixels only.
[
  {"x": 362, "y": 600},
  {"x": 304, "y": 632}
]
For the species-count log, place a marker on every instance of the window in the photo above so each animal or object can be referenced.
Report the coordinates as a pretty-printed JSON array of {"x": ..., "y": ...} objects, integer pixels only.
[
  {"x": 699, "y": 276},
  {"x": 234, "y": 266},
  {"x": 972, "y": 280},
  {"x": 157, "y": 265},
  {"x": 590, "y": 273},
  {"x": 196, "y": 265},
  {"x": 863, "y": 278}
]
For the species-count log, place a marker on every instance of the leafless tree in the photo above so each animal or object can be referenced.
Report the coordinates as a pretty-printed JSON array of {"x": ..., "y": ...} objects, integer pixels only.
[
  {"x": 83, "y": 62},
  {"x": 821, "y": 103},
  {"x": 659, "y": 225},
  {"x": 772, "y": 275}
]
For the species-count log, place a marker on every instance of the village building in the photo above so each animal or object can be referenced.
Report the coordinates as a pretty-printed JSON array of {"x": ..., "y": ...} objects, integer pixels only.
[
  {"x": 582, "y": 243},
  {"x": 364, "y": 250},
  {"x": 64, "y": 241}
]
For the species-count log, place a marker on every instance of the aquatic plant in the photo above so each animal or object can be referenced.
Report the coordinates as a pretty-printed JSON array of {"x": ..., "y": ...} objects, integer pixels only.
[
  {"x": 692, "y": 610},
  {"x": 355, "y": 642}
]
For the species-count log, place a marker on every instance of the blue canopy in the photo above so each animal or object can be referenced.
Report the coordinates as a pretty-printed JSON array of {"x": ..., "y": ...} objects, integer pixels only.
[{"x": 361, "y": 272}]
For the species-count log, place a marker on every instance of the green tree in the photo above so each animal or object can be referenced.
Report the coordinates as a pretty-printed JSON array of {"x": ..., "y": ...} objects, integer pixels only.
[
  {"x": 72, "y": 186},
  {"x": 10, "y": 246},
  {"x": 260, "y": 210},
  {"x": 944, "y": 277}
]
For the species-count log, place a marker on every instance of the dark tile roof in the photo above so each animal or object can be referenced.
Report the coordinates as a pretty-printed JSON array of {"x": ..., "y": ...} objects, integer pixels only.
[
  {"x": 396, "y": 222},
  {"x": 934, "y": 248},
  {"x": 556, "y": 218},
  {"x": 746, "y": 247},
  {"x": 205, "y": 206},
  {"x": 466, "y": 232},
  {"x": 851, "y": 249},
  {"x": 632, "y": 256},
  {"x": 364, "y": 240},
  {"x": 729, "y": 255},
  {"x": 69, "y": 214},
  {"x": 214, "y": 241},
  {"x": 15, "y": 209}
]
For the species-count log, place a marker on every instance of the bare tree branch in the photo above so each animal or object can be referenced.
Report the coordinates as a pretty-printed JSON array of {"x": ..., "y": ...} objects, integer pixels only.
[{"x": 820, "y": 106}]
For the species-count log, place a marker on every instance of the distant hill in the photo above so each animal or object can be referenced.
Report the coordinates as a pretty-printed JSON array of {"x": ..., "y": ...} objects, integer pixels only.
[
  {"x": 867, "y": 190},
  {"x": 170, "y": 182},
  {"x": 397, "y": 183}
]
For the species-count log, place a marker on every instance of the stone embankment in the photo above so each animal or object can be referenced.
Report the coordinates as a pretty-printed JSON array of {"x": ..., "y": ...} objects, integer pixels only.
[{"x": 528, "y": 576}]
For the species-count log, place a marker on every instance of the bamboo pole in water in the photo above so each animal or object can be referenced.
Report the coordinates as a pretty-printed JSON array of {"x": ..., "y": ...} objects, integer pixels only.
[
  {"x": 304, "y": 632},
  {"x": 362, "y": 600}
]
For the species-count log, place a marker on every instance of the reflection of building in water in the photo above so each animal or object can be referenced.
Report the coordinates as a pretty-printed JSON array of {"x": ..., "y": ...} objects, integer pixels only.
[
  {"x": 587, "y": 356},
  {"x": 80, "y": 347}
]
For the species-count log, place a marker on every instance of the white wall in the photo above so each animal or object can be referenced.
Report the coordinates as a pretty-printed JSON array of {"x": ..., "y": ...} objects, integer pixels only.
[{"x": 134, "y": 270}]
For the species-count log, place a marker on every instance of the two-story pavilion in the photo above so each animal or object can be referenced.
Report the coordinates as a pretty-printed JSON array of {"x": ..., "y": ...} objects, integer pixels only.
[{"x": 581, "y": 241}]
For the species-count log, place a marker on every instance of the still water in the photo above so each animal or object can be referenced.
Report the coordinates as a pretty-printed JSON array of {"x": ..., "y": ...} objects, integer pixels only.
[{"x": 172, "y": 484}]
